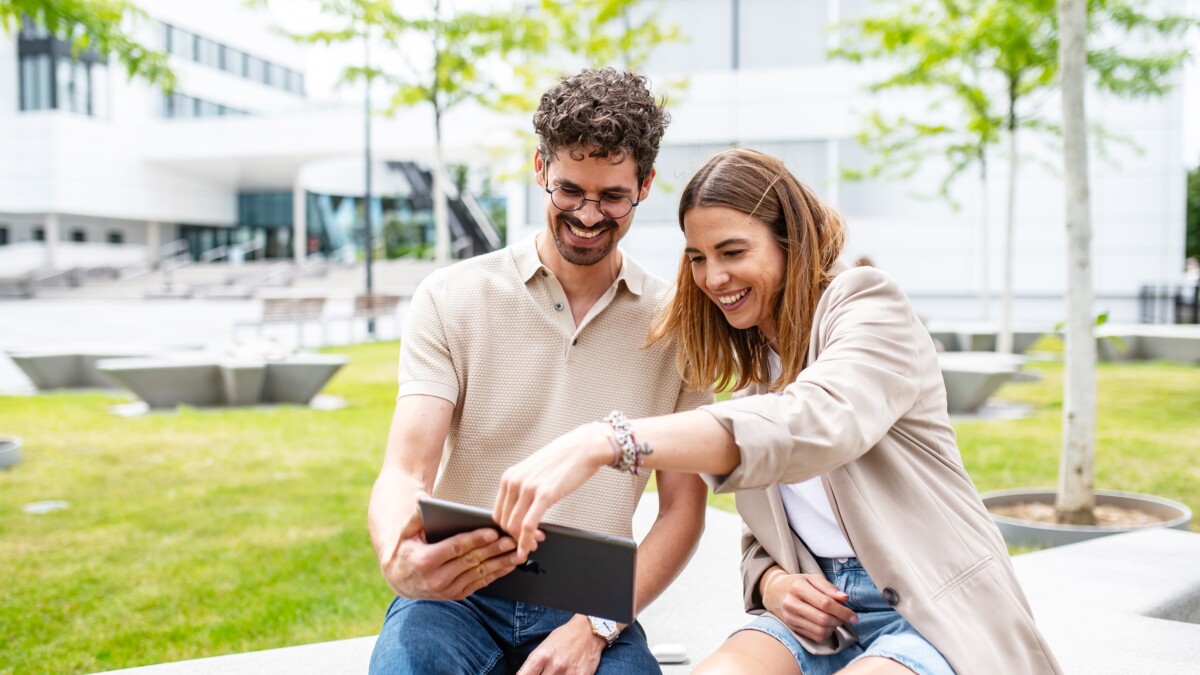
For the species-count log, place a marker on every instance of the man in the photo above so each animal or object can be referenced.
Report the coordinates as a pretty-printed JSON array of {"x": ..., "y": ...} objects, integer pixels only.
[{"x": 505, "y": 352}]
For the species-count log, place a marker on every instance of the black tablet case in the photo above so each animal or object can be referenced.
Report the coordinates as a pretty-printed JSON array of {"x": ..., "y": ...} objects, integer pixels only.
[{"x": 572, "y": 570}]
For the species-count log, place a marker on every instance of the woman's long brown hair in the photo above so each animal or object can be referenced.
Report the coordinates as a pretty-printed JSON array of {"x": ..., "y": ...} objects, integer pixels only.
[{"x": 709, "y": 352}]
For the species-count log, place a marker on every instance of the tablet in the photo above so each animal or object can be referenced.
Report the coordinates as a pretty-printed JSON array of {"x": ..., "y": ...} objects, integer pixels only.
[{"x": 572, "y": 570}]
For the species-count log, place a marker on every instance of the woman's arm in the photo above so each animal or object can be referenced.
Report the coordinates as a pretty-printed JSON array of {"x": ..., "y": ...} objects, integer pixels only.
[{"x": 691, "y": 441}]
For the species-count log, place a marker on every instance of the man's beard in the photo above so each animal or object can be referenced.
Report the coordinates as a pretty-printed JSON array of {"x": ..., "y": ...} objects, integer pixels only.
[{"x": 578, "y": 255}]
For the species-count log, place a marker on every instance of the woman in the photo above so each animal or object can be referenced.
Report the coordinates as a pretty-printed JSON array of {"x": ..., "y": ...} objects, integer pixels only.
[{"x": 867, "y": 548}]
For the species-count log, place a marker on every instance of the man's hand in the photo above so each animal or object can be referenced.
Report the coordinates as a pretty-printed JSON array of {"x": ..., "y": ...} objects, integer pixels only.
[
  {"x": 807, "y": 603},
  {"x": 451, "y": 569},
  {"x": 571, "y": 649}
]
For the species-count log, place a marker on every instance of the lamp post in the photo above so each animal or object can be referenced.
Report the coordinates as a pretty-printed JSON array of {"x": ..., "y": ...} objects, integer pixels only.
[{"x": 368, "y": 231}]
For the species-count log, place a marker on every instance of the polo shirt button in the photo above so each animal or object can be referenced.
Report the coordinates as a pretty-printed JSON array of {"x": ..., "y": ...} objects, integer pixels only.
[
  {"x": 558, "y": 306},
  {"x": 890, "y": 596}
]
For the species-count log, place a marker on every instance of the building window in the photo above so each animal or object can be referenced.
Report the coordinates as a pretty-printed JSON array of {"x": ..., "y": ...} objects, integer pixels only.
[
  {"x": 233, "y": 61},
  {"x": 192, "y": 47},
  {"x": 3, "y": 236},
  {"x": 208, "y": 53},
  {"x": 182, "y": 106},
  {"x": 55, "y": 76},
  {"x": 39, "y": 234},
  {"x": 116, "y": 237},
  {"x": 256, "y": 69},
  {"x": 78, "y": 236},
  {"x": 37, "y": 85},
  {"x": 181, "y": 43}
]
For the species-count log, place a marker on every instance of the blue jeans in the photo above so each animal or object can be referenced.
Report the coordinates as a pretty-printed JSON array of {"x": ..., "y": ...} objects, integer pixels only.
[
  {"x": 880, "y": 629},
  {"x": 481, "y": 635}
]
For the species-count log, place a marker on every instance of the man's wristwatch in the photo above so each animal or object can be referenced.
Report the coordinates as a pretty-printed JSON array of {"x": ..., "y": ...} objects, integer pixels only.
[{"x": 605, "y": 629}]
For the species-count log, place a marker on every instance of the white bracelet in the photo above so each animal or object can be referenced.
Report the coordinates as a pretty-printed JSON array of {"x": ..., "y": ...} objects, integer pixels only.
[{"x": 631, "y": 451}]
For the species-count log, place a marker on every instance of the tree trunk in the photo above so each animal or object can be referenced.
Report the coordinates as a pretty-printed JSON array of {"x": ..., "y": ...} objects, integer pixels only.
[
  {"x": 441, "y": 224},
  {"x": 1075, "y": 496},
  {"x": 985, "y": 272},
  {"x": 1004, "y": 340}
]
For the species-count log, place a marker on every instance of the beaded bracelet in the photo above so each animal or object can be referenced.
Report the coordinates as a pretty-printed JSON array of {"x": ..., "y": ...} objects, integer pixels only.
[{"x": 632, "y": 452}]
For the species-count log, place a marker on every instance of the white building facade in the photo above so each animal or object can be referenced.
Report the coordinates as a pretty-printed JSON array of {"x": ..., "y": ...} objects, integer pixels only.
[
  {"x": 93, "y": 164},
  {"x": 758, "y": 76}
]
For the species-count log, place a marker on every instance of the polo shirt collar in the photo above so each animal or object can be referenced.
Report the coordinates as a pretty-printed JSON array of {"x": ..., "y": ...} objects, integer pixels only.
[{"x": 528, "y": 264}]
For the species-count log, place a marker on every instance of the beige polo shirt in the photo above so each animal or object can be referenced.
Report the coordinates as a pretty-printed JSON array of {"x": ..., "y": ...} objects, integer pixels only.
[{"x": 495, "y": 336}]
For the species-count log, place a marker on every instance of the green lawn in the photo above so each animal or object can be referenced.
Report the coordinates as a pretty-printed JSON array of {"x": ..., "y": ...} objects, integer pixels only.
[{"x": 205, "y": 532}]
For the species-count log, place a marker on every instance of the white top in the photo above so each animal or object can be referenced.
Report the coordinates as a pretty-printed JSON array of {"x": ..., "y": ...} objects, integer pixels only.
[{"x": 807, "y": 506}]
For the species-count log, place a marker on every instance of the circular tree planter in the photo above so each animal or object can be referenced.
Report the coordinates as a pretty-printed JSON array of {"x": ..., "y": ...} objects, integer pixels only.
[
  {"x": 10, "y": 451},
  {"x": 1044, "y": 535}
]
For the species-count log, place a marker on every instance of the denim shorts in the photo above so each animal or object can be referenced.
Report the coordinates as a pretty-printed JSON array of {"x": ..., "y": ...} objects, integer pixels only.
[{"x": 880, "y": 629}]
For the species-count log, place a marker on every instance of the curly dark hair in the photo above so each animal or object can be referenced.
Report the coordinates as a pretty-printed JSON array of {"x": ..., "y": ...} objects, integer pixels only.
[{"x": 610, "y": 111}]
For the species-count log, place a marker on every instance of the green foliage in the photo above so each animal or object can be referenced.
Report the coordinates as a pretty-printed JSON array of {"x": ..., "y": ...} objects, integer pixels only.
[
  {"x": 1193, "y": 213},
  {"x": 191, "y": 533},
  {"x": 498, "y": 58},
  {"x": 203, "y": 532},
  {"x": 982, "y": 60},
  {"x": 93, "y": 25}
]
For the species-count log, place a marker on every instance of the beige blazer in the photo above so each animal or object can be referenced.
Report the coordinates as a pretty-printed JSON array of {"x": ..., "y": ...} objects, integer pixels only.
[{"x": 868, "y": 415}]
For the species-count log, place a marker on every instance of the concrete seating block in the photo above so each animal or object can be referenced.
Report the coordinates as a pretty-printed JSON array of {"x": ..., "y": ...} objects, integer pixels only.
[
  {"x": 1129, "y": 603},
  {"x": 1169, "y": 343},
  {"x": 68, "y": 369},
  {"x": 166, "y": 383},
  {"x": 986, "y": 340},
  {"x": 242, "y": 382},
  {"x": 1116, "y": 346},
  {"x": 948, "y": 339},
  {"x": 972, "y": 377},
  {"x": 299, "y": 378}
]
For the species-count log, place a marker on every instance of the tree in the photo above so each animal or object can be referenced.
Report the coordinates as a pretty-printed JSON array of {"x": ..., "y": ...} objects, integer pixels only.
[
  {"x": 1075, "y": 500},
  {"x": 491, "y": 58},
  {"x": 1193, "y": 214},
  {"x": 983, "y": 62},
  {"x": 93, "y": 25}
]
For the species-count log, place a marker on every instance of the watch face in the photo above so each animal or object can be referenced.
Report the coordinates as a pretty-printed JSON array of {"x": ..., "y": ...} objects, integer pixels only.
[{"x": 604, "y": 627}]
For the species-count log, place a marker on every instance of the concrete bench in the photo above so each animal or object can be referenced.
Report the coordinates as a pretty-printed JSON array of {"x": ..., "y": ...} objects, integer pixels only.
[
  {"x": 1129, "y": 603},
  {"x": 972, "y": 377},
  {"x": 168, "y": 382},
  {"x": 67, "y": 369},
  {"x": 374, "y": 307},
  {"x": 287, "y": 310},
  {"x": 1149, "y": 342}
]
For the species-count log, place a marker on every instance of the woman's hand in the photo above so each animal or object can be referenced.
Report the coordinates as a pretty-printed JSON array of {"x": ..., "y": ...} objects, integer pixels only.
[
  {"x": 809, "y": 605},
  {"x": 529, "y": 488}
]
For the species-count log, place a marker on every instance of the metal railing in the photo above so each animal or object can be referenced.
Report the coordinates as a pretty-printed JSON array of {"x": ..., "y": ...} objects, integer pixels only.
[{"x": 1166, "y": 303}]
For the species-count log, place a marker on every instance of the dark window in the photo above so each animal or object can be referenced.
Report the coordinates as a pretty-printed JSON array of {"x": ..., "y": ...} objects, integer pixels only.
[
  {"x": 78, "y": 235},
  {"x": 208, "y": 53},
  {"x": 182, "y": 43},
  {"x": 3, "y": 236},
  {"x": 256, "y": 69},
  {"x": 39, "y": 234},
  {"x": 116, "y": 237},
  {"x": 233, "y": 61}
]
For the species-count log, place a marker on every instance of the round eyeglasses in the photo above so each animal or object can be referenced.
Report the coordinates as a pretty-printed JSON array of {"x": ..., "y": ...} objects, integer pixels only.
[{"x": 570, "y": 198}]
